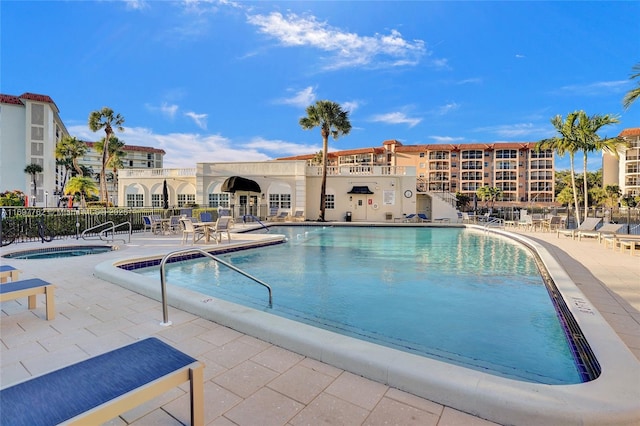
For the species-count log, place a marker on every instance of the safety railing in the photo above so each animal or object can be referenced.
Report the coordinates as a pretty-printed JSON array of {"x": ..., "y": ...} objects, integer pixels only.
[
  {"x": 255, "y": 219},
  {"x": 104, "y": 233},
  {"x": 494, "y": 222},
  {"x": 163, "y": 285}
]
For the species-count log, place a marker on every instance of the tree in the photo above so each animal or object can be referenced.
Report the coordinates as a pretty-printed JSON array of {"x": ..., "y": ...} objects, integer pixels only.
[
  {"x": 589, "y": 141},
  {"x": 613, "y": 194},
  {"x": 71, "y": 148},
  {"x": 33, "y": 169},
  {"x": 565, "y": 142},
  {"x": 115, "y": 155},
  {"x": 634, "y": 93},
  {"x": 489, "y": 195},
  {"x": 85, "y": 186},
  {"x": 107, "y": 120},
  {"x": 462, "y": 201},
  {"x": 332, "y": 120}
]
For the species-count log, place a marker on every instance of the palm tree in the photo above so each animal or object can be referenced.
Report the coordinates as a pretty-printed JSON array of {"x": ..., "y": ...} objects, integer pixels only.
[
  {"x": 115, "y": 155},
  {"x": 107, "y": 120},
  {"x": 71, "y": 148},
  {"x": 81, "y": 185},
  {"x": 332, "y": 120},
  {"x": 33, "y": 169},
  {"x": 489, "y": 195},
  {"x": 589, "y": 141},
  {"x": 634, "y": 93},
  {"x": 565, "y": 142}
]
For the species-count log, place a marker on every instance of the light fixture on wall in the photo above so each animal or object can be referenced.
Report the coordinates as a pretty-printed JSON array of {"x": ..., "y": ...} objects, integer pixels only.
[{"x": 263, "y": 195}]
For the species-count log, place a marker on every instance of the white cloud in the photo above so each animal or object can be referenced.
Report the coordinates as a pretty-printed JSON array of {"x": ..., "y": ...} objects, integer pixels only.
[
  {"x": 199, "y": 119},
  {"x": 165, "y": 109},
  {"x": 396, "y": 118},
  {"x": 136, "y": 4},
  {"x": 303, "y": 98},
  {"x": 519, "y": 56},
  {"x": 474, "y": 80},
  {"x": 446, "y": 139},
  {"x": 184, "y": 150},
  {"x": 597, "y": 88},
  {"x": 348, "y": 49},
  {"x": 445, "y": 109},
  {"x": 514, "y": 130},
  {"x": 350, "y": 106}
]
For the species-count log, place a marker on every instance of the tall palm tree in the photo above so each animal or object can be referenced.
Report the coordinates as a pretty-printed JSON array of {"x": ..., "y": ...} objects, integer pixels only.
[
  {"x": 489, "y": 195},
  {"x": 589, "y": 141},
  {"x": 634, "y": 93},
  {"x": 115, "y": 155},
  {"x": 332, "y": 120},
  {"x": 81, "y": 185},
  {"x": 105, "y": 119},
  {"x": 71, "y": 148},
  {"x": 33, "y": 169},
  {"x": 565, "y": 142}
]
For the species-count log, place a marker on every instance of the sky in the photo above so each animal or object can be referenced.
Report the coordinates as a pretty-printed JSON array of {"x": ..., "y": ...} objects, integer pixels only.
[{"x": 217, "y": 81}]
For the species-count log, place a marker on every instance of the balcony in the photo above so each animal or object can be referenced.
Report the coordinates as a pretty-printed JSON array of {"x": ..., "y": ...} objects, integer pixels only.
[
  {"x": 155, "y": 173},
  {"x": 362, "y": 171}
]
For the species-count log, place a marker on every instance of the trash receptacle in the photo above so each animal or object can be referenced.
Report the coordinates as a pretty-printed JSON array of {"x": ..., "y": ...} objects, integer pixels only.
[{"x": 347, "y": 217}]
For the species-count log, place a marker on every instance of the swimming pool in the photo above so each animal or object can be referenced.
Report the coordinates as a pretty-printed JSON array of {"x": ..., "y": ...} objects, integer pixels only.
[
  {"x": 58, "y": 252},
  {"x": 459, "y": 296},
  {"x": 610, "y": 399}
]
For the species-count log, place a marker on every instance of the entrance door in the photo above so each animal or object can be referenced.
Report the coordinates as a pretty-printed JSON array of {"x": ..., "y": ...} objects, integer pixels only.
[
  {"x": 359, "y": 207},
  {"x": 248, "y": 205}
]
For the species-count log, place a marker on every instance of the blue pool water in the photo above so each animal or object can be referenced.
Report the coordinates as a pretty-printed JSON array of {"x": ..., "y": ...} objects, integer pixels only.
[{"x": 452, "y": 294}]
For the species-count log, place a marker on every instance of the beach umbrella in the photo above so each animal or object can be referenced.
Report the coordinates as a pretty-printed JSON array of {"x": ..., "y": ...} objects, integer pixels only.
[
  {"x": 475, "y": 202},
  {"x": 165, "y": 195}
]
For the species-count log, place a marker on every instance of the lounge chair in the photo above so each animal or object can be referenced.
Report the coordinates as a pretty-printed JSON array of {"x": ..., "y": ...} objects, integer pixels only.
[
  {"x": 29, "y": 289},
  {"x": 8, "y": 271},
  {"x": 606, "y": 229},
  {"x": 411, "y": 217},
  {"x": 589, "y": 224},
  {"x": 298, "y": 216},
  {"x": 423, "y": 217},
  {"x": 281, "y": 217},
  {"x": 552, "y": 224},
  {"x": 98, "y": 389},
  {"x": 223, "y": 225},
  {"x": 273, "y": 212},
  {"x": 188, "y": 227}
]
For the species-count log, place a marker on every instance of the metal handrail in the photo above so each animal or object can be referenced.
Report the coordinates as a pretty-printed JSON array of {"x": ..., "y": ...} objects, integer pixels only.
[
  {"x": 494, "y": 222},
  {"x": 112, "y": 228},
  {"x": 163, "y": 286},
  {"x": 244, "y": 221}
]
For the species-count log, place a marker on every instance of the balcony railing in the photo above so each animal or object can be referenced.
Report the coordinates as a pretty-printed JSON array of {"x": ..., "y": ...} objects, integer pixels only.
[
  {"x": 149, "y": 173},
  {"x": 362, "y": 170}
]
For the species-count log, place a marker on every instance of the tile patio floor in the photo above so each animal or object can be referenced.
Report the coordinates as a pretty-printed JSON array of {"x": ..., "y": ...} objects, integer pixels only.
[{"x": 248, "y": 381}]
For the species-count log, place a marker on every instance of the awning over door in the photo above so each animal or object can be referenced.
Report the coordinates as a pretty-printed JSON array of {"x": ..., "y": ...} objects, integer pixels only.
[
  {"x": 360, "y": 190},
  {"x": 237, "y": 183}
]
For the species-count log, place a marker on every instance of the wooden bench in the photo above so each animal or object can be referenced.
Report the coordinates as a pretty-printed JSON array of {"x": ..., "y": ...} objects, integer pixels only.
[
  {"x": 30, "y": 288},
  {"x": 99, "y": 389},
  {"x": 8, "y": 271}
]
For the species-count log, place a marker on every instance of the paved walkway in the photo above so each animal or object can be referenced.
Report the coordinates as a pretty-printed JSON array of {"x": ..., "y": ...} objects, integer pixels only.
[{"x": 248, "y": 381}]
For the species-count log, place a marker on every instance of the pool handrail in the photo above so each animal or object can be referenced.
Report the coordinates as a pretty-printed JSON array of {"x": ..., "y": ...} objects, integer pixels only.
[
  {"x": 163, "y": 285},
  {"x": 244, "y": 221},
  {"x": 112, "y": 228}
]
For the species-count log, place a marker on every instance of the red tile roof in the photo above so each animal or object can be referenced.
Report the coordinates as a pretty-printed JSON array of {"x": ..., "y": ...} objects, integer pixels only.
[
  {"x": 36, "y": 97},
  {"x": 134, "y": 148},
  {"x": 10, "y": 99},
  {"x": 630, "y": 132}
]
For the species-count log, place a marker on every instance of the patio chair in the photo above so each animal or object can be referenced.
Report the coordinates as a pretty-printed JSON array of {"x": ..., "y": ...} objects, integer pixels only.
[
  {"x": 174, "y": 224},
  {"x": 552, "y": 224},
  {"x": 188, "y": 227},
  {"x": 423, "y": 217},
  {"x": 525, "y": 222},
  {"x": 606, "y": 229},
  {"x": 468, "y": 218},
  {"x": 589, "y": 224},
  {"x": 150, "y": 224},
  {"x": 298, "y": 216},
  {"x": 206, "y": 217},
  {"x": 98, "y": 389},
  {"x": 223, "y": 224}
]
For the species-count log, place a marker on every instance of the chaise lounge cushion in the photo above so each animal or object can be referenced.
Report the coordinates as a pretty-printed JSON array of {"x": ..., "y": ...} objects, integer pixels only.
[{"x": 63, "y": 394}]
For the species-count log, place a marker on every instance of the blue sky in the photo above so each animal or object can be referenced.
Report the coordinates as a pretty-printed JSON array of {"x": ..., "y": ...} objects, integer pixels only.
[{"x": 228, "y": 81}]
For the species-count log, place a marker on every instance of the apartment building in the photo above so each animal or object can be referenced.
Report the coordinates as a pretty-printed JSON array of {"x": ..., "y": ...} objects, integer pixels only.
[
  {"x": 137, "y": 157},
  {"x": 516, "y": 168},
  {"x": 624, "y": 170},
  {"x": 30, "y": 128}
]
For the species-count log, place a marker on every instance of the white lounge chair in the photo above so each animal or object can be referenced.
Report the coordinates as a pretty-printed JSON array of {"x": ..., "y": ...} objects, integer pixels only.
[
  {"x": 606, "y": 229},
  {"x": 298, "y": 216},
  {"x": 589, "y": 224}
]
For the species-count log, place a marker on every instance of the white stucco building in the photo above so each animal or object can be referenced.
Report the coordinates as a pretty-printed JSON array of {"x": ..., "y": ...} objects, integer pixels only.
[{"x": 30, "y": 128}]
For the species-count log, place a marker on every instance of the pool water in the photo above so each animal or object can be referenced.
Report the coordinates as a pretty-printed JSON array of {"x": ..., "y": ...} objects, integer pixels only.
[
  {"x": 452, "y": 294},
  {"x": 58, "y": 252}
]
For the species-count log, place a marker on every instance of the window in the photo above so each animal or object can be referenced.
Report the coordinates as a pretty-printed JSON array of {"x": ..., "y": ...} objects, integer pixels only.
[
  {"x": 130, "y": 163},
  {"x": 37, "y": 114},
  {"x": 329, "y": 201},
  {"x": 219, "y": 200},
  {"x": 135, "y": 200},
  {"x": 280, "y": 201},
  {"x": 156, "y": 200},
  {"x": 422, "y": 155},
  {"x": 184, "y": 199}
]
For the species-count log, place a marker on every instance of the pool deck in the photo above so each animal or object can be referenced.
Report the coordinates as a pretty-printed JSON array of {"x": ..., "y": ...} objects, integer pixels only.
[{"x": 249, "y": 381}]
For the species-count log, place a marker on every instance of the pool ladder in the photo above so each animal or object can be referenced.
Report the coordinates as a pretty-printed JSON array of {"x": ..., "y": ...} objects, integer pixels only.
[
  {"x": 163, "y": 286},
  {"x": 103, "y": 234}
]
